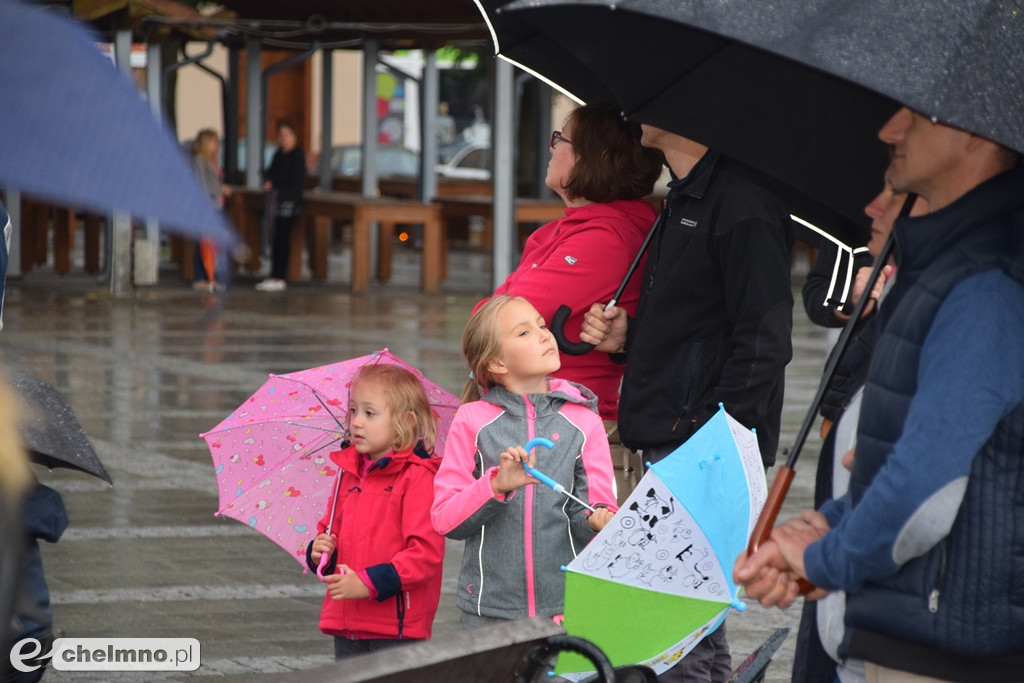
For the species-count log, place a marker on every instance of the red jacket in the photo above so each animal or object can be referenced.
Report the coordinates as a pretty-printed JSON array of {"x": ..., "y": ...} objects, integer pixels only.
[
  {"x": 580, "y": 260},
  {"x": 383, "y": 526}
]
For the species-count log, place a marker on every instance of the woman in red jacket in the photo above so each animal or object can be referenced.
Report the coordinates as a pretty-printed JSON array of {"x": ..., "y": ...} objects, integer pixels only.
[
  {"x": 602, "y": 173},
  {"x": 384, "y": 559}
]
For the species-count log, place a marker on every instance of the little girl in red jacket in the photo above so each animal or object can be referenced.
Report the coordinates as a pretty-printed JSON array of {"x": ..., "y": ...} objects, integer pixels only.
[{"x": 383, "y": 558}]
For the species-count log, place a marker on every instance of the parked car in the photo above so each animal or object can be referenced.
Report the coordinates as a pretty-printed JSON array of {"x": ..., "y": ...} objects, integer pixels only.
[
  {"x": 472, "y": 162},
  {"x": 392, "y": 160}
]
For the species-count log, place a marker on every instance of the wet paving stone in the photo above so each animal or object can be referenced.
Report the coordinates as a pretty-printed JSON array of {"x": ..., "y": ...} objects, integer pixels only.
[{"x": 147, "y": 373}]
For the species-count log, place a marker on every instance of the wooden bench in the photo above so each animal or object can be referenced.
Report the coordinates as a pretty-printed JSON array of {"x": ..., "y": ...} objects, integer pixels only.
[
  {"x": 527, "y": 210},
  {"x": 36, "y": 218},
  {"x": 320, "y": 208}
]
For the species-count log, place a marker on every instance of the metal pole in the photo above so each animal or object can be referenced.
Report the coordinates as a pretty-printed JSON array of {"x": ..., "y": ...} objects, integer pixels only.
[
  {"x": 254, "y": 133},
  {"x": 121, "y": 231},
  {"x": 504, "y": 173},
  {"x": 326, "y": 114},
  {"x": 369, "y": 118},
  {"x": 428, "y": 132},
  {"x": 231, "y": 117},
  {"x": 543, "y": 120},
  {"x": 369, "y": 160}
]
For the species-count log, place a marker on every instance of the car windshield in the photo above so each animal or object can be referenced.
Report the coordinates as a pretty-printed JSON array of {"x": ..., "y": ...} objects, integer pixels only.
[{"x": 390, "y": 161}]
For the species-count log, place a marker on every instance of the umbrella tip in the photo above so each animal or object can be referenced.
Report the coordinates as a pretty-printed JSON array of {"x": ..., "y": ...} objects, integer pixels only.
[{"x": 738, "y": 605}]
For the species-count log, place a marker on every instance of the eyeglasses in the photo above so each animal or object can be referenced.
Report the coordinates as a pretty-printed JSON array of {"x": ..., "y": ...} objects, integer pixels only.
[{"x": 556, "y": 137}]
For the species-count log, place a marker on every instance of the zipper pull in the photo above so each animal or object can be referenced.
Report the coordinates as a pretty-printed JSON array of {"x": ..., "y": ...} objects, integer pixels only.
[{"x": 933, "y": 601}]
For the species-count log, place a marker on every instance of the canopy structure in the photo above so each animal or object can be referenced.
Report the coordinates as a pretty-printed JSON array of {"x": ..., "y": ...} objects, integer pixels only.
[{"x": 307, "y": 27}]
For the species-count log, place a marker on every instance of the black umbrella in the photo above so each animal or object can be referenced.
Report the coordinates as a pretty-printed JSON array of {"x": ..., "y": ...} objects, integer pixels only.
[
  {"x": 806, "y": 128},
  {"x": 50, "y": 431},
  {"x": 795, "y": 88}
]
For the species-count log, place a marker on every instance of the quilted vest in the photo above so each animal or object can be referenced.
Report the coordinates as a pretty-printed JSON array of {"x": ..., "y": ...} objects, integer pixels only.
[{"x": 960, "y": 598}]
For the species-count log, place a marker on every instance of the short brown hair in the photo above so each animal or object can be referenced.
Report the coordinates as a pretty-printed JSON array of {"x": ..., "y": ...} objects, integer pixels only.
[
  {"x": 411, "y": 414},
  {"x": 610, "y": 161}
]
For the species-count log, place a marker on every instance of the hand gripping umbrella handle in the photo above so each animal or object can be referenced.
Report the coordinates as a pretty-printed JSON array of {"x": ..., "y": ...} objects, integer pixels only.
[
  {"x": 543, "y": 478},
  {"x": 770, "y": 512},
  {"x": 557, "y": 323},
  {"x": 558, "y": 330}
]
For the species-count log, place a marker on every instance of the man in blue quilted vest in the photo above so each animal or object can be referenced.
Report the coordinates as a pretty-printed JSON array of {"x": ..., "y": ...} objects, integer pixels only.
[{"x": 929, "y": 542}]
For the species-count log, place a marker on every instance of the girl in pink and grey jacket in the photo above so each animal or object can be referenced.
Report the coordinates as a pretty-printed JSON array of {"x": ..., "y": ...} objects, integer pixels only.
[{"x": 518, "y": 535}]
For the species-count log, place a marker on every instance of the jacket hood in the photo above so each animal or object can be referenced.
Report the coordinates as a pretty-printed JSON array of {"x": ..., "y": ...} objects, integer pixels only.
[
  {"x": 348, "y": 459},
  {"x": 560, "y": 391},
  {"x": 637, "y": 212}
]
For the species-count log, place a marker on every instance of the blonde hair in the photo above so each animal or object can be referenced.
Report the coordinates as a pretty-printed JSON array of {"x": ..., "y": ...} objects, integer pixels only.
[
  {"x": 481, "y": 345},
  {"x": 199, "y": 145},
  {"x": 411, "y": 414}
]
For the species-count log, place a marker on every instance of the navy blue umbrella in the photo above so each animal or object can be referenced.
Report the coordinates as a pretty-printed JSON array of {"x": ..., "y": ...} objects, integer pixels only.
[{"x": 74, "y": 130}]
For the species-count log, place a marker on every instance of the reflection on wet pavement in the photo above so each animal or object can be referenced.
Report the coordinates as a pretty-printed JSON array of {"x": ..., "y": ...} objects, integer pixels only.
[{"x": 146, "y": 374}]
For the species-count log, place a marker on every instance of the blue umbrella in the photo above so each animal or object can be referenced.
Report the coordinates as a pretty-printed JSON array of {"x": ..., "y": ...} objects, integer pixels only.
[{"x": 74, "y": 130}]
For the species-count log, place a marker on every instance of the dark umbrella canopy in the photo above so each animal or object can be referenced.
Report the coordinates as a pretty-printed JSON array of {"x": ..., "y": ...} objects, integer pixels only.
[
  {"x": 50, "y": 431},
  {"x": 74, "y": 130},
  {"x": 814, "y": 132}
]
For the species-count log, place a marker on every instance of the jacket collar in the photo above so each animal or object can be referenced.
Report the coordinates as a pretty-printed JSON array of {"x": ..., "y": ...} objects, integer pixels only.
[
  {"x": 348, "y": 458},
  {"x": 696, "y": 182},
  {"x": 561, "y": 391},
  {"x": 920, "y": 240}
]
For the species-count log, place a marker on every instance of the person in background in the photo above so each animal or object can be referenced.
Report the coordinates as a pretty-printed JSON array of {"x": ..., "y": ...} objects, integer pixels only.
[
  {"x": 601, "y": 171},
  {"x": 209, "y": 262},
  {"x": 286, "y": 178},
  {"x": 482, "y": 493},
  {"x": 814, "y": 662}
]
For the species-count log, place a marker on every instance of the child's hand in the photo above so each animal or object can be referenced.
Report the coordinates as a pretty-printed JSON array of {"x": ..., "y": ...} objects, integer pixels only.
[
  {"x": 346, "y": 585},
  {"x": 511, "y": 474},
  {"x": 323, "y": 544},
  {"x": 599, "y": 517}
]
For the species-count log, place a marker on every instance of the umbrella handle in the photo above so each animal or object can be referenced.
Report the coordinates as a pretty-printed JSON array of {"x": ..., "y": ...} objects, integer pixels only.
[
  {"x": 545, "y": 479},
  {"x": 557, "y": 326},
  {"x": 770, "y": 512},
  {"x": 323, "y": 563},
  {"x": 557, "y": 323},
  {"x": 324, "y": 558}
]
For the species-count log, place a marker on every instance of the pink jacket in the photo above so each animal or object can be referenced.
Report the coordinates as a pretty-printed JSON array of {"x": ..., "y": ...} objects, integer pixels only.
[{"x": 517, "y": 544}]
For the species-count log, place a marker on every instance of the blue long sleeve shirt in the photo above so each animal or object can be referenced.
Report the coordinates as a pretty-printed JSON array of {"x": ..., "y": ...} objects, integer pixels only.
[{"x": 971, "y": 375}]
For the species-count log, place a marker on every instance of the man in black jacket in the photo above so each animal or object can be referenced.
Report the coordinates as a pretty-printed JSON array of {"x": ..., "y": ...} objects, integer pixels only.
[{"x": 714, "y": 322}]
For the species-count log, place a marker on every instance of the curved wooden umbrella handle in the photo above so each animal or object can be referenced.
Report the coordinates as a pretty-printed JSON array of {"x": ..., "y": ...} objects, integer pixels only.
[{"x": 770, "y": 512}]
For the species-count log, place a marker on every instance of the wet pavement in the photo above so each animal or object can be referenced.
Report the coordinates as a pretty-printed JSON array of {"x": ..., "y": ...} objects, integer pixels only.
[{"x": 146, "y": 374}]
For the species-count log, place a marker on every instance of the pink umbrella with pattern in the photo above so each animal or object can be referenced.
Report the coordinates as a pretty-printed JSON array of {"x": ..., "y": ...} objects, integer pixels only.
[{"x": 270, "y": 454}]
